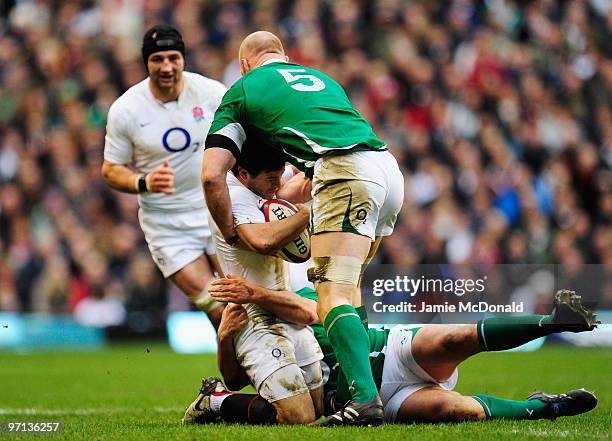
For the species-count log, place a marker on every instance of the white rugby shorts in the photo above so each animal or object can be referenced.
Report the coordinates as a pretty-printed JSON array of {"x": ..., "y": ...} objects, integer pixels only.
[
  {"x": 360, "y": 192},
  {"x": 266, "y": 346},
  {"x": 176, "y": 239},
  {"x": 290, "y": 381},
  {"x": 402, "y": 376}
]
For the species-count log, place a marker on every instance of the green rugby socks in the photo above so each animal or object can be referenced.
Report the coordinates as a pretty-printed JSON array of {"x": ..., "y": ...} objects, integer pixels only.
[
  {"x": 352, "y": 347},
  {"x": 363, "y": 315},
  {"x": 500, "y": 333},
  {"x": 513, "y": 410}
]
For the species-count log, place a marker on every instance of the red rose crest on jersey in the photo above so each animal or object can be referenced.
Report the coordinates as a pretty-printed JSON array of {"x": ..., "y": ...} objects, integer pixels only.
[{"x": 198, "y": 113}]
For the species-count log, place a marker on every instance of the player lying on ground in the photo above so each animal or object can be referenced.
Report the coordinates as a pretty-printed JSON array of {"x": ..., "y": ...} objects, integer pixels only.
[
  {"x": 414, "y": 367},
  {"x": 279, "y": 358}
]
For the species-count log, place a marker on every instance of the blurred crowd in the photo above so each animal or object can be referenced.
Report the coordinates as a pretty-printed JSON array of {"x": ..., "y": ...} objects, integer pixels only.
[{"x": 499, "y": 111}]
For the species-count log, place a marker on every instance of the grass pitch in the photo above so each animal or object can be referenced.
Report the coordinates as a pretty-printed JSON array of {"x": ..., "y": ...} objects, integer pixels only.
[{"x": 139, "y": 392}]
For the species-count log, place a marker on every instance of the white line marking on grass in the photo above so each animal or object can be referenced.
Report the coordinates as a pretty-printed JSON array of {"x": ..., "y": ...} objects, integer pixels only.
[
  {"x": 552, "y": 434},
  {"x": 89, "y": 411}
]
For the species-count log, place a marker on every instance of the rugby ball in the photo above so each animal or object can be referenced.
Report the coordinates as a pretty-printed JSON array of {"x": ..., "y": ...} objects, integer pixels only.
[{"x": 298, "y": 250}]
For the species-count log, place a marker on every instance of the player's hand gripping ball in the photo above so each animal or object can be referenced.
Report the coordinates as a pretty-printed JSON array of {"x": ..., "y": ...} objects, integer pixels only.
[{"x": 298, "y": 250}]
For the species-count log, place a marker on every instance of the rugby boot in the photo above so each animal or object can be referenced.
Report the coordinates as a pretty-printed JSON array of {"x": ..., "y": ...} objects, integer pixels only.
[
  {"x": 570, "y": 403},
  {"x": 570, "y": 314},
  {"x": 353, "y": 413},
  {"x": 200, "y": 412}
]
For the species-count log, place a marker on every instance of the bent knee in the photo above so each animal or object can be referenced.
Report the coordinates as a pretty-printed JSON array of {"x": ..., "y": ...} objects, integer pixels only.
[
  {"x": 456, "y": 340},
  {"x": 294, "y": 414},
  {"x": 460, "y": 408}
]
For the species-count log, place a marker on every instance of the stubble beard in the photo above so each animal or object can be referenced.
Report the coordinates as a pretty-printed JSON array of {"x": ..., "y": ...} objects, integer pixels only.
[{"x": 167, "y": 89}]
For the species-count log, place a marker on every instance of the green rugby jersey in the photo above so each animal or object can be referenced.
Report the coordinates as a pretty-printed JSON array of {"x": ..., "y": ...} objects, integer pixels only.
[
  {"x": 290, "y": 108},
  {"x": 329, "y": 364}
]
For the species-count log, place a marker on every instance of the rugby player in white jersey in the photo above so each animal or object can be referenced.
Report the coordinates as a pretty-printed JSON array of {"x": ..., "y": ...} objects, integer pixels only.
[
  {"x": 154, "y": 147},
  {"x": 280, "y": 359}
]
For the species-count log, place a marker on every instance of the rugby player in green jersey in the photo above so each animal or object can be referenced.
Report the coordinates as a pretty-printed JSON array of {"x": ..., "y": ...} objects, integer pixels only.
[
  {"x": 414, "y": 366},
  {"x": 357, "y": 188}
]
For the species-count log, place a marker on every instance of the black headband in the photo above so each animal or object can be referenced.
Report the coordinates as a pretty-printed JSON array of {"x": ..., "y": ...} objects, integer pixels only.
[{"x": 161, "y": 38}]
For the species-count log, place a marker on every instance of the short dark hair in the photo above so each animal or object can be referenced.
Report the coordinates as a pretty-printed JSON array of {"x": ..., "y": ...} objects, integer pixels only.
[{"x": 256, "y": 158}]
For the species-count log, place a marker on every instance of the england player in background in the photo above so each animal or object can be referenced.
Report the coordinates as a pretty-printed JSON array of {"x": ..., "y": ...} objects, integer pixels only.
[{"x": 154, "y": 147}]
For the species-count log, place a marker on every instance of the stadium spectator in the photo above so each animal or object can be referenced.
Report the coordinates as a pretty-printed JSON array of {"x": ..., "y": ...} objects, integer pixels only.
[{"x": 469, "y": 95}]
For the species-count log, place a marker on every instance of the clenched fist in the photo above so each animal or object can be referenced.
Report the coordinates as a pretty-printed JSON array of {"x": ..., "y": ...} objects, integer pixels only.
[{"x": 161, "y": 179}]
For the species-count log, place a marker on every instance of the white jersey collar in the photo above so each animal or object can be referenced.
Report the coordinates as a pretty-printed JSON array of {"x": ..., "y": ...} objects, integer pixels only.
[
  {"x": 273, "y": 60},
  {"x": 232, "y": 180}
]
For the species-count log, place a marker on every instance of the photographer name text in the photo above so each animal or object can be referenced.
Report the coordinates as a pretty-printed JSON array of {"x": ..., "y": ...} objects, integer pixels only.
[{"x": 447, "y": 307}]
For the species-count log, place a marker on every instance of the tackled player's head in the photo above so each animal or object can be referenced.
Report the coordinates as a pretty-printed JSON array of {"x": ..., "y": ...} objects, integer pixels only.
[
  {"x": 257, "y": 47},
  {"x": 163, "y": 52},
  {"x": 259, "y": 172}
]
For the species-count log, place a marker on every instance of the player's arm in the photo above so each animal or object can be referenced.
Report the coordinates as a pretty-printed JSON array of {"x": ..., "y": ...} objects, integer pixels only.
[
  {"x": 297, "y": 189},
  {"x": 223, "y": 145},
  {"x": 268, "y": 237},
  {"x": 118, "y": 152},
  {"x": 120, "y": 177},
  {"x": 217, "y": 162},
  {"x": 124, "y": 179},
  {"x": 233, "y": 320},
  {"x": 287, "y": 305}
]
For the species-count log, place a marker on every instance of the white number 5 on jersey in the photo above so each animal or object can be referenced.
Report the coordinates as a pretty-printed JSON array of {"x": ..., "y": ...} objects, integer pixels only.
[{"x": 289, "y": 76}]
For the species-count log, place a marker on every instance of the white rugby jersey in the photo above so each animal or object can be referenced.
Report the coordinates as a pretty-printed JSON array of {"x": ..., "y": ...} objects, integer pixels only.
[
  {"x": 142, "y": 132},
  {"x": 268, "y": 271}
]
